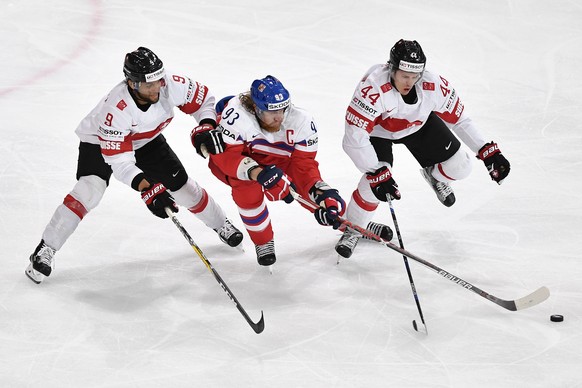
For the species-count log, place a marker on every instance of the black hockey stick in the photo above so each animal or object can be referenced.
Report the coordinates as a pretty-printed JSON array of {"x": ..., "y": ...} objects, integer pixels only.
[
  {"x": 532, "y": 299},
  {"x": 257, "y": 327},
  {"x": 408, "y": 271}
]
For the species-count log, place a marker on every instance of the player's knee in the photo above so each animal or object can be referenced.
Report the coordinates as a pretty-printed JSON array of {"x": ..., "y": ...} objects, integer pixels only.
[
  {"x": 89, "y": 190},
  {"x": 189, "y": 194},
  {"x": 458, "y": 166}
]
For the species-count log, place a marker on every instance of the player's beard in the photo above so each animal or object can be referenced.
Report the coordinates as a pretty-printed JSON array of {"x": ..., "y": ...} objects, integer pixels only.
[
  {"x": 270, "y": 128},
  {"x": 148, "y": 99}
]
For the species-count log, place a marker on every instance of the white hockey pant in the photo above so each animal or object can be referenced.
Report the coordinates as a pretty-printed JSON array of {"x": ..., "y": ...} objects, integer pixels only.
[
  {"x": 196, "y": 200},
  {"x": 84, "y": 197}
]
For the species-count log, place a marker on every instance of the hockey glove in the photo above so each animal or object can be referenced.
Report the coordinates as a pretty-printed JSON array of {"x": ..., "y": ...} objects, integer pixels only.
[
  {"x": 276, "y": 184},
  {"x": 495, "y": 162},
  {"x": 157, "y": 199},
  {"x": 331, "y": 205},
  {"x": 382, "y": 184},
  {"x": 207, "y": 140}
]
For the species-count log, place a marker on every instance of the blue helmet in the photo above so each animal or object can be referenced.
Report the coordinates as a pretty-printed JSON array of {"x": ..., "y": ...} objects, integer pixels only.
[{"x": 269, "y": 94}]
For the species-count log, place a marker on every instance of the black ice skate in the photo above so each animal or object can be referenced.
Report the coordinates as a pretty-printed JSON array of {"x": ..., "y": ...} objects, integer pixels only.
[
  {"x": 229, "y": 234},
  {"x": 443, "y": 190},
  {"x": 347, "y": 243},
  {"x": 266, "y": 253},
  {"x": 380, "y": 230},
  {"x": 41, "y": 263}
]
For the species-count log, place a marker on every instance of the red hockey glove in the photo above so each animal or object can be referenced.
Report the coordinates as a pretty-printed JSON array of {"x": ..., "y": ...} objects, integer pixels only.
[
  {"x": 495, "y": 162},
  {"x": 207, "y": 140},
  {"x": 276, "y": 184},
  {"x": 382, "y": 184},
  {"x": 157, "y": 199},
  {"x": 331, "y": 205}
]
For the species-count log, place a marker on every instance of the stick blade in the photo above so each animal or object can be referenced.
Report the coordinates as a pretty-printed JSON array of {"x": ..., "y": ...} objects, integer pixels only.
[
  {"x": 259, "y": 326},
  {"x": 536, "y": 297}
]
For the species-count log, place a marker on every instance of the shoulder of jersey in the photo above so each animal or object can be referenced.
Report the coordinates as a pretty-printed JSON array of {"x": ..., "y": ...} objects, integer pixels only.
[
  {"x": 298, "y": 115},
  {"x": 429, "y": 75},
  {"x": 235, "y": 115},
  {"x": 429, "y": 81},
  {"x": 118, "y": 98},
  {"x": 177, "y": 83},
  {"x": 379, "y": 78}
]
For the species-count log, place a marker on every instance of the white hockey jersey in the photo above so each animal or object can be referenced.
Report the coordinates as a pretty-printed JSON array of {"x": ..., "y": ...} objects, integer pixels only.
[
  {"x": 120, "y": 127},
  {"x": 377, "y": 109},
  {"x": 293, "y": 148}
]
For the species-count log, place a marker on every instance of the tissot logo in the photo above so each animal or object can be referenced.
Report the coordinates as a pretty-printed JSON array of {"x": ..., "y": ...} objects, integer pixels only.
[
  {"x": 364, "y": 106},
  {"x": 111, "y": 134},
  {"x": 411, "y": 67}
]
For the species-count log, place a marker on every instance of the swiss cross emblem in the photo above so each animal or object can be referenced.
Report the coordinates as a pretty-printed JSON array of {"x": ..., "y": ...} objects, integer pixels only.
[
  {"x": 428, "y": 85},
  {"x": 121, "y": 105},
  {"x": 386, "y": 87}
]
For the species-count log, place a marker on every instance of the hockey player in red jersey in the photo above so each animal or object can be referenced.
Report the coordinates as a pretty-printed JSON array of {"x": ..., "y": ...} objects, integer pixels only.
[
  {"x": 270, "y": 146},
  {"x": 401, "y": 103},
  {"x": 122, "y": 136}
]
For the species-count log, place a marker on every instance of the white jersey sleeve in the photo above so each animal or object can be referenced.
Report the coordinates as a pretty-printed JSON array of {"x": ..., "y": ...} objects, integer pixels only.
[
  {"x": 364, "y": 109},
  {"x": 190, "y": 97},
  {"x": 452, "y": 111}
]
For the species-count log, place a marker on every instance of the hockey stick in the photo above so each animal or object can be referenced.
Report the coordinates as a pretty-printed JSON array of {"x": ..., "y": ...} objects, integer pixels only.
[
  {"x": 408, "y": 271},
  {"x": 532, "y": 299},
  {"x": 257, "y": 327}
]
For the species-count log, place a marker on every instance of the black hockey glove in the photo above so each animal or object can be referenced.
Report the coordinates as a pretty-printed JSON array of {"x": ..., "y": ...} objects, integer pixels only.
[
  {"x": 276, "y": 184},
  {"x": 495, "y": 162},
  {"x": 331, "y": 205},
  {"x": 207, "y": 140},
  {"x": 382, "y": 184},
  {"x": 157, "y": 199}
]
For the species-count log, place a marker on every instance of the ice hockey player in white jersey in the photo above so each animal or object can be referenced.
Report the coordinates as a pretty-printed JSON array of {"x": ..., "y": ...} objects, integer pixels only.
[
  {"x": 402, "y": 103},
  {"x": 122, "y": 135}
]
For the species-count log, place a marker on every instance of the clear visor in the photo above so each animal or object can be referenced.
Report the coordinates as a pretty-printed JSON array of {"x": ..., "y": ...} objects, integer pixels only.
[
  {"x": 267, "y": 115},
  {"x": 270, "y": 113}
]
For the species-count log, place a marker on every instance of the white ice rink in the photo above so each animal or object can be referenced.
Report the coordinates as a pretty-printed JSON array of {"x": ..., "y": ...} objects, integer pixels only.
[{"x": 129, "y": 303}]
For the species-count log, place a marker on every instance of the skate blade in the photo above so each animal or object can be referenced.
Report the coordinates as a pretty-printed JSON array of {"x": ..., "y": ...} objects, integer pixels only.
[{"x": 33, "y": 275}]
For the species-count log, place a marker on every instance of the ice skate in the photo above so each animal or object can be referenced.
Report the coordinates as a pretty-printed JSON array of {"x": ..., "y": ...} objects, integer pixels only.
[
  {"x": 380, "y": 230},
  {"x": 443, "y": 190},
  {"x": 41, "y": 263},
  {"x": 266, "y": 253},
  {"x": 347, "y": 243},
  {"x": 229, "y": 234}
]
